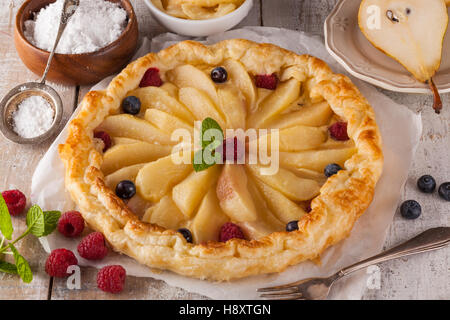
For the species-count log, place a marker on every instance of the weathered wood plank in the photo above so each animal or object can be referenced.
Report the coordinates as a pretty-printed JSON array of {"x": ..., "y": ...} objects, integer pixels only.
[{"x": 18, "y": 162}]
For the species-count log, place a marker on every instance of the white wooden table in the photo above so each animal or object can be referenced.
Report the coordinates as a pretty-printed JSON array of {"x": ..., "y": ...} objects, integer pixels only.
[{"x": 420, "y": 277}]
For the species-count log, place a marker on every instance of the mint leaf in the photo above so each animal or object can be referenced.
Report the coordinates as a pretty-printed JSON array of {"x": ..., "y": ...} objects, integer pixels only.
[
  {"x": 207, "y": 124},
  {"x": 7, "y": 267},
  {"x": 23, "y": 268},
  {"x": 50, "y": 221},
  {"x": 200, "y": 166},
  {"x": 5, "y": 220},
  {"x": 36, "y": 221}
]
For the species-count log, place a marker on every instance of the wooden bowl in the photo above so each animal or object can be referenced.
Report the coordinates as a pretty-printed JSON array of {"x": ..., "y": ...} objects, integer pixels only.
[{"x": 76, "y": 69}]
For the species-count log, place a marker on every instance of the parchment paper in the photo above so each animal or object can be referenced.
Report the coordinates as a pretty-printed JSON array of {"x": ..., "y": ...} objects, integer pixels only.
[{"x": 400, "y": 129}]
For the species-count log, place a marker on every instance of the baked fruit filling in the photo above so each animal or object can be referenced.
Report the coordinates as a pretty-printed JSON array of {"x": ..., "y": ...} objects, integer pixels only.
[{"x": 226, "y": 200}]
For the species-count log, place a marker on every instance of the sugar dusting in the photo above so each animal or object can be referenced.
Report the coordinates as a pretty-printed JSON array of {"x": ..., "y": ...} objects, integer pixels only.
[
  {"x": 33, "y": 117},
  {"x": 95, "y": 24}
]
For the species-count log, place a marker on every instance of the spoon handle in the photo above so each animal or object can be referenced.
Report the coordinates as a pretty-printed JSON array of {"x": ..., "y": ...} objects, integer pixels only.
[{"x": 69, "y": 8}]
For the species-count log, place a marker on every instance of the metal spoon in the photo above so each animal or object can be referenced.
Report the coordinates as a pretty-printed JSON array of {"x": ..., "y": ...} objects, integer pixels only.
[{"x": 10, "y": 102}]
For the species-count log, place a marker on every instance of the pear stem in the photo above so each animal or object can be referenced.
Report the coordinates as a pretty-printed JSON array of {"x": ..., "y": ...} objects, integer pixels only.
[{"x": 437, "y": 103}]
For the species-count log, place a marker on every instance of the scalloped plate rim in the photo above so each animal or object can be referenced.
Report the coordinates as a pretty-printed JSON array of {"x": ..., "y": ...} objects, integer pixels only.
[{"x": 344, "y": 60}]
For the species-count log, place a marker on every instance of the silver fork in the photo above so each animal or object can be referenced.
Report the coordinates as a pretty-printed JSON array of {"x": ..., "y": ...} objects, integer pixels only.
[{"x": 319, "y": 288}]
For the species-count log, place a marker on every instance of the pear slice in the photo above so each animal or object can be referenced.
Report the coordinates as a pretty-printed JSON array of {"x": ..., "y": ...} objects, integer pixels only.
[
  {"x": 127, "y": 173},
  {"x": 200, "y": 104},
  {"x": 286, "y": 93},
  {"x": 188, "y": 194},
  {"x": 156, "y": 178},
  {"x": 232, "y": 107},
  {"x": 128, "y": 126},
  {"x": 165, "y": 214},
  {"x": 411, "y": 32},
  {"x": 122, "y": 140},
  {"x": 124, "y": 155},
  {"x": 297, "y": 138},
  {"x": 283, "y": 208},
  {"x": 314, "y": 115},
  {"x": 239, "y": 77},
  {"x": 266, "y": 223},
  {"x": 195, "y": 12},
  {"x": 161, "y": 99},
  {"x": 292, "y": 186},
  {"x": 190, "y": 76},
  {"x": 235, "y": 199},
  {"x": 209, "y": 219},
  {"x": 315, "y": 160},
  {"x": 166, "y": 122}
]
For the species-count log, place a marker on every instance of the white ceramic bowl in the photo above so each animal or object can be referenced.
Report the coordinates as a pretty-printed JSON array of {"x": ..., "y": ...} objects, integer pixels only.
[{"x": 200, "y": 28}]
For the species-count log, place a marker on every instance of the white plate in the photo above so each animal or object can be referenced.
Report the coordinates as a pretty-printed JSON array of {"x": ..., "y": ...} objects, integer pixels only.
[{"x": 346, "y": 43}]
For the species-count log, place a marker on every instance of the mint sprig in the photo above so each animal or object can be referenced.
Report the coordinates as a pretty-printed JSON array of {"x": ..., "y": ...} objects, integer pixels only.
[
  {"x": 39, "y": 223},
  {"x": 204, "y": 158}
]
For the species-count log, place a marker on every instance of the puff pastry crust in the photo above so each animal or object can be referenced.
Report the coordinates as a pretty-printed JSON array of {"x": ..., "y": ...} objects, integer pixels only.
[{"x": 342, "y": 199}]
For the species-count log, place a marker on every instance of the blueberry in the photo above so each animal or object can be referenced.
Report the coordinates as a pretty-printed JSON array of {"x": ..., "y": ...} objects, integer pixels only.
[
  {"x": 410, "y": 209},
  {"x": 444, "y": 191},
  {"x": 292, "y": 226},
  {"x": 131, "y": 105},
  {"x": 426, "y": 184},
  {"x": 332, "y": 169},
  {"x": 125, "y": 189},
  {"x": 186, "y": 234},
  {"x": 219, "y": 75}
]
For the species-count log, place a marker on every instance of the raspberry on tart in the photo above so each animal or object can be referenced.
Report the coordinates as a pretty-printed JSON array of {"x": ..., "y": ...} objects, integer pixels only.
[{"x": 167, "y": 215}]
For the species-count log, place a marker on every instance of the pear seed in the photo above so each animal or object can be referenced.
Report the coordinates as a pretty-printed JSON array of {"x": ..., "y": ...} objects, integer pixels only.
[{"x": 390, "y": 15}]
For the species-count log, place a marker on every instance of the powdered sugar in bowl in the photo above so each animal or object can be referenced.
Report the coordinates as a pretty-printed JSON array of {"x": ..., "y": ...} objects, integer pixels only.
[
  {"x": 30, "y": 113},
  {"x": 76, "y": 68}
]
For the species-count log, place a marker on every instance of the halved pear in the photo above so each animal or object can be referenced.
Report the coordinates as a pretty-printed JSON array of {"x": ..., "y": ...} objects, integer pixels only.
[
  {"x": 167, "y": 122},
  {"x": 128, "y": 126},
  {"x": 200, "y": 104},
  {"x": 316, "y": 160},
  {"x": 411, "y": 32},
  {"x": 127, "y": 173},
  {"x": 165, "y": 213},
  {"x": 286, "y": 93},
  {"x": 239, "y": 77},
  {"x": 124, "y": 155},
  {"x": 161, "y": 99},
  {"x": 233, "y": 107},
  {"x": 188, "y": 193},
  {"x": 235, "y": 199},
  {"x": 283, "y": 208},
  {"x": 292, "y": 186},
  {"x": 156, "y": 178},
  {"x": 314, "y": 115},
  {"x": 189, "y": 76},
  {"x": 209, "y": 219}
]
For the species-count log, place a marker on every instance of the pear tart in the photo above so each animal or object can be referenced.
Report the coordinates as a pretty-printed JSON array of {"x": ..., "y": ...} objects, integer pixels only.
[{"x": 230, "y": 220}]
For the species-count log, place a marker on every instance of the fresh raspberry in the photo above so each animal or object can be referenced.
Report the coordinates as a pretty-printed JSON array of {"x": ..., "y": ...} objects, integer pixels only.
[
  {"x": 266, "y": 81},
  {"x": 93, "y": 247},
  {"x": 105, "y": 138},
  {"x": 231, "y": 144},
  {"x": 15, "y": 201},
  {"x": 71, "y": 224},
  {"x": 111, "y": 278},
  {"x": 151, "y": 78},
  {"x": 338, "y": 131},
  {"x": 230, "y": 231},
  {"x": 58, "y": 261}
]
